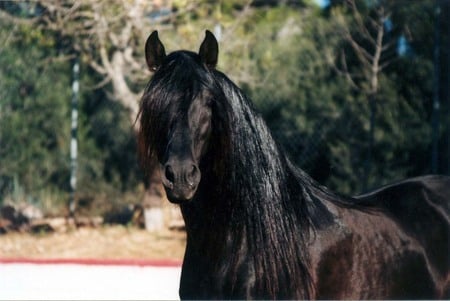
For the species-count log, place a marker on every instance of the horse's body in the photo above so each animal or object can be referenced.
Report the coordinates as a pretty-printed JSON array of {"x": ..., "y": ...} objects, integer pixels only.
[
  {"x": 400, "y": 252},
  {"x": 260, "y": 228}
]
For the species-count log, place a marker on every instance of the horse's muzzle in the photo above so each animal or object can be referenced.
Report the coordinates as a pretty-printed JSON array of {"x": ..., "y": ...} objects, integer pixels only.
[{"x": 180, "y": 180}]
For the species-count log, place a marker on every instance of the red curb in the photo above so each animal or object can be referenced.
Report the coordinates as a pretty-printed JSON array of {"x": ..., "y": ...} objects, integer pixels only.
[{"x": 93, "y": 261}]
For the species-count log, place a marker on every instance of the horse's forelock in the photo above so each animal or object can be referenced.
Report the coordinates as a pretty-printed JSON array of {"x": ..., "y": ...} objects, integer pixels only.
[{"x": 179, "y": 81}]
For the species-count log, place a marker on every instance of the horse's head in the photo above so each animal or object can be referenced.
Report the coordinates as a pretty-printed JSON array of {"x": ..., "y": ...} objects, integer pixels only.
[{"x": 176, "y": 113}]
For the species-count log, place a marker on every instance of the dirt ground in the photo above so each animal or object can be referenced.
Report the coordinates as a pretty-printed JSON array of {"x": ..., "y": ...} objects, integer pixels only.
[{"x": 106, "y": 242}]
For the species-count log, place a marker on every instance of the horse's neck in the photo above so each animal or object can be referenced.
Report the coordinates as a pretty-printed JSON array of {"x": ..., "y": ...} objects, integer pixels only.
[
  {"x": 216, "y": 261},
  {"x": 254, "y": 218},
  {"x": 214, "y": 249}
]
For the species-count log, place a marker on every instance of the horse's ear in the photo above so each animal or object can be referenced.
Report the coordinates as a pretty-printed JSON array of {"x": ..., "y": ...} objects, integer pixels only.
[
  {"x": 209, "y": 50},
  {"x": 154, "y": 51}
]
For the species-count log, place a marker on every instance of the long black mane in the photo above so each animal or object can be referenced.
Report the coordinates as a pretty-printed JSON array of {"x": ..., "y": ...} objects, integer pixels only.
[{"x": 256, "y": 199}]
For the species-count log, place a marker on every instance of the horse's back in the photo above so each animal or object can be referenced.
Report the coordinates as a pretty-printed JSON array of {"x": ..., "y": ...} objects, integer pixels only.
[
  {"x": 421, "y": 208},
  {"x": 433, "y": 189}
]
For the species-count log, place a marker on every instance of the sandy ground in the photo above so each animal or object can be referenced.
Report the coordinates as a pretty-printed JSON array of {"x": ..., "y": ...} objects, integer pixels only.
[{"x": 104, "y": 242}]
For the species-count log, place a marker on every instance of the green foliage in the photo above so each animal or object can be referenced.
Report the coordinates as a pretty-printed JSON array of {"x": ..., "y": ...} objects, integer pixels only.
[
  {"x": 33, "y": 112},
  {"x": 107, "y": 146},
  {"x": 35, "y": 100},
  {"x": 283, "y": 63},
  {"x": 279, "y": 54}
]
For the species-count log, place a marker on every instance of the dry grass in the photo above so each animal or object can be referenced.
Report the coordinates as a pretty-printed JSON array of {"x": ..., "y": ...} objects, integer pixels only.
[{"x": 111, "y": 242}]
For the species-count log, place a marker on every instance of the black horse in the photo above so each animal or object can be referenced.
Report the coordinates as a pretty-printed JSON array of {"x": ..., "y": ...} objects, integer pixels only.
[{"x": 260, "y": 228}]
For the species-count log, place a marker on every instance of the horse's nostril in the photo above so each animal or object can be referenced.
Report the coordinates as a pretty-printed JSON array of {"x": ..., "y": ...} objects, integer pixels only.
[
  {"x": 169, "y": 174},
  {"x": 193, "y": 171}
]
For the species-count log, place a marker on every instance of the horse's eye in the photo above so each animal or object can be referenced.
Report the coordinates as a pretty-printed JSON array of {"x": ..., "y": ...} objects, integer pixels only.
[{"x": 209, "y": 101}]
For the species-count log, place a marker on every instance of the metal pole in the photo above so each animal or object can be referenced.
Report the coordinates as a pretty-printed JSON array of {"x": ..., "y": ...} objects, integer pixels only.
[
  {"x": 73, "y": 135},
  {"x": 436, "y": 102}
]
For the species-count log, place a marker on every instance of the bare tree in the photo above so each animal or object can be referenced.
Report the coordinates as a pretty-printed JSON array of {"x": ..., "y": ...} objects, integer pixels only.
[
  {"x": 367, "y": 37},
  {"x": 107, "y": 34}
]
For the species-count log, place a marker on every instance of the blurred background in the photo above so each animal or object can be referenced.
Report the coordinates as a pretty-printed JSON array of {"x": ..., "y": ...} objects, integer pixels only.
[{"x": 356, "y": 91}]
